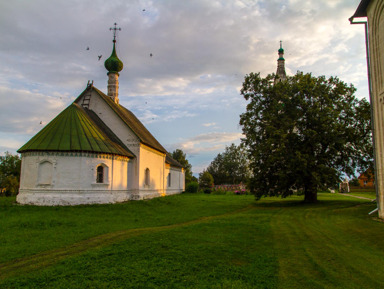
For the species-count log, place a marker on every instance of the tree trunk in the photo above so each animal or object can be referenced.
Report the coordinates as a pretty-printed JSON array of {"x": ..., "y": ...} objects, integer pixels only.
[{"x": 310, "y": 194}]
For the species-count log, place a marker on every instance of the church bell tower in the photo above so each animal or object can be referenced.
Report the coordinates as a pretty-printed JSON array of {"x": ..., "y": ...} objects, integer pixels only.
[
  {"x": 114, "y": 65},
  {"x": 280, "y": 73}
]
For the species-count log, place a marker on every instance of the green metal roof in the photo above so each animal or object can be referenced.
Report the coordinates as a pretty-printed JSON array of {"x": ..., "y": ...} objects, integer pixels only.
[{"x": 76, "y": 129}]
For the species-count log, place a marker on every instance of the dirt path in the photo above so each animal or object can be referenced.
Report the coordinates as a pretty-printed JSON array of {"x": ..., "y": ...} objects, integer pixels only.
[{"x": 48, "y": 258}]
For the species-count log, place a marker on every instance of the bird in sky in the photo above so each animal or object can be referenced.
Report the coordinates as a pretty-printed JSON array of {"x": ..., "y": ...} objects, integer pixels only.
[
  {"x": 150, "y": 54},
  {"x": 99, "y": 56},
  {"x": 87, "y": 47}
]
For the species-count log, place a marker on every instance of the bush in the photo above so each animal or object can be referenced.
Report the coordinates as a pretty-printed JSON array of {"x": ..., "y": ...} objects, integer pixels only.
[
  {"x": 219, "y": 192},
  {"x": 192, "y": 187},
  {"x": 207, "y": 191}
]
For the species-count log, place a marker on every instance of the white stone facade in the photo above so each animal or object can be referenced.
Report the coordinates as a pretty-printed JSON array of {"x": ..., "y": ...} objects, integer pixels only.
[
  {"x": 375, "y": 13},
  {"x": 59, "y": 178}
]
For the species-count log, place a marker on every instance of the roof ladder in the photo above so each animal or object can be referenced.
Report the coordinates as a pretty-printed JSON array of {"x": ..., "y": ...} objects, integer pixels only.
[{"x": 87, "y": 96}]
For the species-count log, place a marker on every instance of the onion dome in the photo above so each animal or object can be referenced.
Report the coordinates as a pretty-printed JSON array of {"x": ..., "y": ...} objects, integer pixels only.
[{"x": 113, "y": 64}]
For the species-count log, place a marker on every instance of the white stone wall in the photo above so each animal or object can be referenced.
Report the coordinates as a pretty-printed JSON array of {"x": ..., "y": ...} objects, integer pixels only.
[
  {"x": 375, "y": 13},
  {"x": 177, "y": 180},
  {"x": 154, "y": 161},
  {"x": 70, "y": 179}
]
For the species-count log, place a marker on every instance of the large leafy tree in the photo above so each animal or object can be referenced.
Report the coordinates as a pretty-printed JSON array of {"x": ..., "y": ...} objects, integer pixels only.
[
  {"x": 10, "y": 166},
  {"x": 231, "y": 166},
  {"x": 181, "y": 157},
  {"x": 303, "y": 133}
]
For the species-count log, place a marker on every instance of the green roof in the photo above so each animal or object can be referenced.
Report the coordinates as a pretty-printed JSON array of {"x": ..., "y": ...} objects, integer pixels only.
[{"x": 76, "y": 129}]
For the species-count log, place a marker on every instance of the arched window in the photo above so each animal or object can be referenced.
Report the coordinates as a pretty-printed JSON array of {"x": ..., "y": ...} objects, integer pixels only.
[
  {"x": 100, "y": 174},
  {"x": 169, "y": 179},
  {"x": 45, "y": 173},
  {"x": 147, "y": 177}
]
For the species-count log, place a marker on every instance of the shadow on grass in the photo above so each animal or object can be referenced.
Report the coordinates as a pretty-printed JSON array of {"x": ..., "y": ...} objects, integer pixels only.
[{"x": 325, "y": 201}]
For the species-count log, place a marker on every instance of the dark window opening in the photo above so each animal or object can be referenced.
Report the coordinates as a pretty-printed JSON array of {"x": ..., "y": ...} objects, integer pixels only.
[{"x": 100, "y": 174}]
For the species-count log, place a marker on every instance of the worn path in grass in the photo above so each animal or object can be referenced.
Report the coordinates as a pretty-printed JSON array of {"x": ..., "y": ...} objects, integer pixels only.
[
  {"x": 48, "y": 258},
  {"x": 358, "y": 197}
]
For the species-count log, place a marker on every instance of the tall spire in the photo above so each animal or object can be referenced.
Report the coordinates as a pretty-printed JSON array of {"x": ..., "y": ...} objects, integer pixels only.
[
  {"x": 114, "y": 65},
  {"x": 280, "y": 73}
]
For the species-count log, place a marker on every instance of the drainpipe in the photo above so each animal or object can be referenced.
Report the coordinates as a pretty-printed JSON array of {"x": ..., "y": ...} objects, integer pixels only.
[{"x": 371, "y": 100}]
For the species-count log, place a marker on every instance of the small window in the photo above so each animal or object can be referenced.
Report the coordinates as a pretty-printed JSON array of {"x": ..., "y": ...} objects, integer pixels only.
[
  {"x": 169, "y": 180},
  {"x": 100, "y": 174},
  {"x": 147, "y": 177}
]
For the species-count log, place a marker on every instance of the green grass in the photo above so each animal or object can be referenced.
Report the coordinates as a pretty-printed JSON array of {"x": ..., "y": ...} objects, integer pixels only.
[
  {"x": 368, "y": 194},
  {"x": 193, "y": 241}
]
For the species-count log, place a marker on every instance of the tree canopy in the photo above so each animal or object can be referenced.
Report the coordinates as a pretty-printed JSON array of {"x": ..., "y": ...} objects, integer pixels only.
[
  {"x": 230, "y": 167},
  {"x": 205, "y": 180},
  {"x": 303, "y": 133},
  {"x": 10, "y": 166}
]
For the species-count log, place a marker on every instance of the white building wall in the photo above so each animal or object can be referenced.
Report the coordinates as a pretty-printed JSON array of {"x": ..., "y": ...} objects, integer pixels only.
[
  {"x": 177, "y": 180},
  {"x": 375, "y": 14},
  {"x": 72, "y": 179},
  {"x": 154, "y": 161}
]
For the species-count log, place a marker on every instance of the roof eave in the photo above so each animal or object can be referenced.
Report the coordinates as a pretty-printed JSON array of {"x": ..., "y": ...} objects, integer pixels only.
[{"x": 361, "y": 10}]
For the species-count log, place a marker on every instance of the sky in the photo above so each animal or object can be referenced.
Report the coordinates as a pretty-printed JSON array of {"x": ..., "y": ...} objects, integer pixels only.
[{"x": 188, "y": 92}]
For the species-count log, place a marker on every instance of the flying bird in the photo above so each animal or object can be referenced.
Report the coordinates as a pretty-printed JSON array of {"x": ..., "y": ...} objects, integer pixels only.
[
  {"x": 143, "y": 10},
  {"x": 99, "y": 56},
  {"x": 150, "y": 54},
  {"x": 87, "y": 47}
]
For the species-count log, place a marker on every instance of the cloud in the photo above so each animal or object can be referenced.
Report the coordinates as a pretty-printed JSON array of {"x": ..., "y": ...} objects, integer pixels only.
[
  {"x": 208, "y": 142},
  {"x": 201, "y": 52},
  {"x": 23, "y": 110}
]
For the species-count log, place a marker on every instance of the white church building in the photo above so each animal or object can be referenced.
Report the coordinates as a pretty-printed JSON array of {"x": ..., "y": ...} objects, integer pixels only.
[{"x": 96, "y": 151}]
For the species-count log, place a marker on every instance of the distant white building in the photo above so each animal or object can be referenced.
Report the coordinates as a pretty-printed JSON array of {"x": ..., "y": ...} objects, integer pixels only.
[{"x": 96, "y": 151}]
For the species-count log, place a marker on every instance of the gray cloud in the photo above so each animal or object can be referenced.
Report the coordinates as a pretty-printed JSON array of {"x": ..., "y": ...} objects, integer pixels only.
[{"x": 201, "y": 52}]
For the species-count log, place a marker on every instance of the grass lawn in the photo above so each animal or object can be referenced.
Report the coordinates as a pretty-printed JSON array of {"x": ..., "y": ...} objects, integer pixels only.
[
  {"x": 371, "y": 195},
  {"x": 193, "y": 241}
]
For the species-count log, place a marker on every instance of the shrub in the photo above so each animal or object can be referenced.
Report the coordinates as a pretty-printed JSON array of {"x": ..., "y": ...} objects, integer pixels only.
[
  {"x": 207, "y": 191},
  {"x": 192, "y": 187},
  {"x": 219, "y": 192}
]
